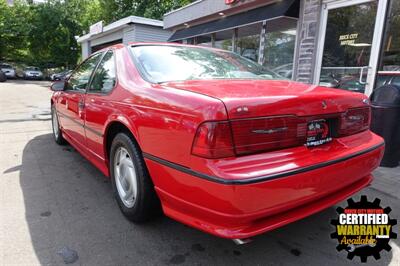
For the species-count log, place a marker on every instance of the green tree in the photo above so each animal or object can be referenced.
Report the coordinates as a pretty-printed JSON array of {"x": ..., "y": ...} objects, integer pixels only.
[
  {"x": 91, "y": 14},
  {"x": 51, "y": 35},
  {"x": 44, "y": 34},
  {"x": 13, "y": 31},
  {"x": 114, "y": 10}
]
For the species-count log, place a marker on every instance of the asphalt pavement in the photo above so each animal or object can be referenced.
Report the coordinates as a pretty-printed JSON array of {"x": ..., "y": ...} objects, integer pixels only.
[{"x": 56, "y": 208}]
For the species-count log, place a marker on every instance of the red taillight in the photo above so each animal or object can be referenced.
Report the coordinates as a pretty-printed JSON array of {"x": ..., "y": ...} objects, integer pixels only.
[
  {"x": 271, "y": 133},
  {"x": 213, "y": 140},
  {"x": 245, "y": 136},
  {"x": 355, "y": 120}
]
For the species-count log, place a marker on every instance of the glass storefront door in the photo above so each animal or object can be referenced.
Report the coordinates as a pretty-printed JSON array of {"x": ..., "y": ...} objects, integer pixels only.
[
  {"x": 389, "y": 65},
  {"x": 348, "y": 55}
]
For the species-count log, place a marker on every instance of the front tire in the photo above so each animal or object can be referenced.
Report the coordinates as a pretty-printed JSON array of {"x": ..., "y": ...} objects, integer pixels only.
[
  {"x": 131, "y": 182},
  {"x": 57, "y": 134}
]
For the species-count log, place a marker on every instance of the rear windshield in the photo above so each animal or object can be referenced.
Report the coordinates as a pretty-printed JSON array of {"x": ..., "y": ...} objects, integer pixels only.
[
  {"x": 179, "y": 63},
  {"x": 5, "y": 66},
  {"x": 32, "y": 69}
]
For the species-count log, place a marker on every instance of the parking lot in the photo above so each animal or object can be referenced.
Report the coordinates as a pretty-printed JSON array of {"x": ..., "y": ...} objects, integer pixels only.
[{"x": 55, "y": 207}]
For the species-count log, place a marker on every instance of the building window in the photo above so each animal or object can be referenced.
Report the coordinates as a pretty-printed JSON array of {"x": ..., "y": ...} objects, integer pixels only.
[
  {"x": 389, "y": 68},
  {"x": 279, "y": 48},
  {"x": 191, "y": 40},
  {"x": 223, "y": 40},
  {"x": 248, "y": 42},
  {"x": 205, "y": 40},
  {"x": 347, "y": 46}
]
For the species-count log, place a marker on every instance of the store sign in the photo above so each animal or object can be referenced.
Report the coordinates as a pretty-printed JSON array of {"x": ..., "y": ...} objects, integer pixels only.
[
  {"x": 96, "y": 28},
  {"x": 348, "y": 39}
]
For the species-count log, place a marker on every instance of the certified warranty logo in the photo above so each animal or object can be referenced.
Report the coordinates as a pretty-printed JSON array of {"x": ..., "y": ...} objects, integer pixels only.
[{"x": 363, "y": 229}]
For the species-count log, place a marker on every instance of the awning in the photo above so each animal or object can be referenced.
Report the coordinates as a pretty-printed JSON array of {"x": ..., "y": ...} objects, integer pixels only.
[{"x": 287, "y": 8}]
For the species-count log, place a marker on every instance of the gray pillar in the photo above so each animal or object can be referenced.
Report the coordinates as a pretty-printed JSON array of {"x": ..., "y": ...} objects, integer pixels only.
[
  {"x": 263, "y": 35},
  {"x": 234, "y": 40},
  {"x": 86, "y": 49},
  {"x": 213, "y": 37},
  {"x": 307, "y": 37}
]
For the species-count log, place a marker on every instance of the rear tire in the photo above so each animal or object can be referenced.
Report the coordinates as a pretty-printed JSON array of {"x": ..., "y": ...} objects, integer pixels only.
[
  {"x": 55, "y": 122},
  {"x": 131, "y": 182}
]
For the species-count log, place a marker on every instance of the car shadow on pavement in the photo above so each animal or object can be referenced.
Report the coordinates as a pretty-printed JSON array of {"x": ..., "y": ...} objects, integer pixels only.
[{"x": 73, "y": 218}]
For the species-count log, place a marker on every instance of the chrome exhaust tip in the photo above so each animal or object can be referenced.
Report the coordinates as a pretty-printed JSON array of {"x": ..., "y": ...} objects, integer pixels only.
[{"x": 242, "y": 241}]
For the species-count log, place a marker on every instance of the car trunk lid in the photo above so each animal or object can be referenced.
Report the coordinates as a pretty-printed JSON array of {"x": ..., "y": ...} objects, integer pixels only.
[
  {"x": 271, "y": 115},
  {"x": 255, "y": 98}
]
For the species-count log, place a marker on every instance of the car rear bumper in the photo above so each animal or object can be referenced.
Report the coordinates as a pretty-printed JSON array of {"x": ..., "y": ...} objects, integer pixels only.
[
  {"x": 245, "y": 209},
  {"x": 33, "y": 77}
]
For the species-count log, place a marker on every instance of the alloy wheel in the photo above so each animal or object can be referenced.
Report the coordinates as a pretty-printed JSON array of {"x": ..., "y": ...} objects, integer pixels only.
[{"x": 125, "y": 177}]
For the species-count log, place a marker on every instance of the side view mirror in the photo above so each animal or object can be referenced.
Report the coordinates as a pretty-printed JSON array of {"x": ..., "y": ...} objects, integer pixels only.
[{"x": 58, "y": 86}]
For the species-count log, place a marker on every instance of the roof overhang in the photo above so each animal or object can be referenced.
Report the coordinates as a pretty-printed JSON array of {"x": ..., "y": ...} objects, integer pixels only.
[
  {"x": 202, "y": 11},
  {"x": 287, "y": 8},
  {"x": 120, "y": 24}
]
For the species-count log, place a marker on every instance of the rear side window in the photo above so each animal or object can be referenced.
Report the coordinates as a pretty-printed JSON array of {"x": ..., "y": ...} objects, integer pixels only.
[
  {"x": 81, "y": 76},
  {"x": 104, "y": 78}
]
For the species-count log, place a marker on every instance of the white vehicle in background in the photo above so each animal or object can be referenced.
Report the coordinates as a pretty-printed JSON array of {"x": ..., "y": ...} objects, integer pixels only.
[
  {"x": 33, "y": 73},
  {"x": 8, "y": 70}
]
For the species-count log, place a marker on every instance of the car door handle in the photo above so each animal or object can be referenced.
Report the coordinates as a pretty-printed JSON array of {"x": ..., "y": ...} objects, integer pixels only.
[{"x": 81, "y": 105}]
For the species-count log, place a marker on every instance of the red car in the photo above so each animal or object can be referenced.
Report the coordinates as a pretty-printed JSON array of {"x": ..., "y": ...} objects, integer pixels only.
[{"x": 214, "y": 140}]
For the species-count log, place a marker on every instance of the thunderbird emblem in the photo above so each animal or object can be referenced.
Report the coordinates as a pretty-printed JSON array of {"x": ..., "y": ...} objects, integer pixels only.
[{"x": 270, "y": 131}]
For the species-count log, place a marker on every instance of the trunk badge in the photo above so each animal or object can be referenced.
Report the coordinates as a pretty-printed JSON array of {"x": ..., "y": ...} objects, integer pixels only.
[
  {"x": 270, "y": 131},
  {"x": 324, "y": 105}
]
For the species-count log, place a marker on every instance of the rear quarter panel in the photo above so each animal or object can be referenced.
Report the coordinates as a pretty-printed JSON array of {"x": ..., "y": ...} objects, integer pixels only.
[{"x": 163, "y": 120}]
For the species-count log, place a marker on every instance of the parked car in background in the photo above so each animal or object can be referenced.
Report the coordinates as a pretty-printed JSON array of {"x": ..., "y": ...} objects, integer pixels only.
[
  {"x": 3, "y": 76},
  {"x": 284, "y": 70},
  {"x": 213, "y": 139},
  {"x": 67, "y": 75},
  {"x": 352, "y": 82},
  {"x": 8, "y": 70},
  {"x": 61, "y": 75},
  {"x": 33, "y": 73}
]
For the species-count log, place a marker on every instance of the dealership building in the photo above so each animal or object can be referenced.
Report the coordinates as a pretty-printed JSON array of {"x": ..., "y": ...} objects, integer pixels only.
[
  {"x": 352, "y": 44},
  {"x": 128, "y": 29}
]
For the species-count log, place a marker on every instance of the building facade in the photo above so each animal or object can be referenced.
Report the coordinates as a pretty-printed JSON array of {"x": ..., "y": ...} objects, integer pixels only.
[
  {"x": 351, "y": 44},
  {"x": 126, "y": 30}
]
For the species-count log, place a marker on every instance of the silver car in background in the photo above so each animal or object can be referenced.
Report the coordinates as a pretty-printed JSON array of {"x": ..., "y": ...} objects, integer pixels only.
[
  {"x": 33, "y": 73},
  {"x": 8, "y": 70}
]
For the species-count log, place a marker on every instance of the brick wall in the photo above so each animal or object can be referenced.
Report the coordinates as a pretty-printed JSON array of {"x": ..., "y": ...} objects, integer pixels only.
[{"x": 307, "y": 40}]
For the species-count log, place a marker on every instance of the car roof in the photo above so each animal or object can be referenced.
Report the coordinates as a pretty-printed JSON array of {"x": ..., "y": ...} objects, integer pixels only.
[
  {"x": 174, "y": 44},
  {"x": 120, "y": 45}
]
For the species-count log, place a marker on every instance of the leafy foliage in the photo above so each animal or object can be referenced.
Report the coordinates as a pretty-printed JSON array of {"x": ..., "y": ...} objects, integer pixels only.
[
  {"x": 117, "y": 9},
  {"x": 44, "y": 34},
  {"x": 13, "y": 31}
]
